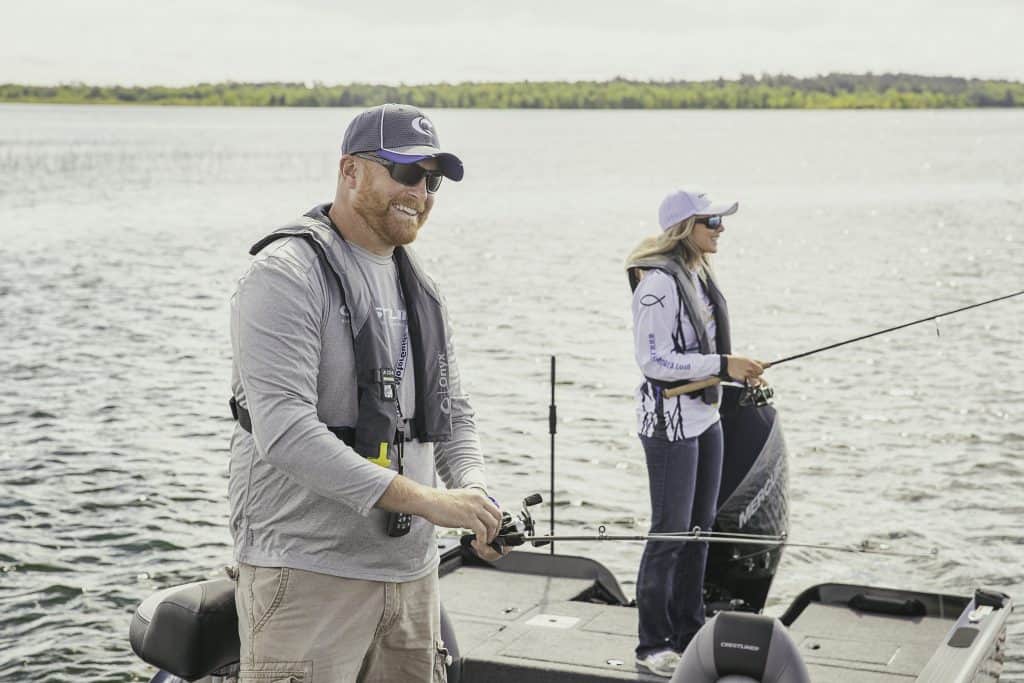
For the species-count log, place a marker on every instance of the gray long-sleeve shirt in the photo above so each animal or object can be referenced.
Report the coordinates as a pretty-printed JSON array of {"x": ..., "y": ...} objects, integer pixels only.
[{"x": 299, "y": 496}]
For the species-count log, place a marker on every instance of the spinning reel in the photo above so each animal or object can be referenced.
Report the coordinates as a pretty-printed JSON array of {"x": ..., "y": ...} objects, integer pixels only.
[{"x": 756, "y": 396}]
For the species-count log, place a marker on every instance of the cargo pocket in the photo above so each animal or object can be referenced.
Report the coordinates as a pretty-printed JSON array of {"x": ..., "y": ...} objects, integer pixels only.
[
  {"x": 277, "y": 672},
  {"x": 441, "y": 662},
  {"x": 267, "y": 593}
]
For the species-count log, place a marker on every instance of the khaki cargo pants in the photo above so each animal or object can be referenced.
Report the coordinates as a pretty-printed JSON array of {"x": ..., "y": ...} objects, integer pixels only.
[{"x": 302, "y": 627}]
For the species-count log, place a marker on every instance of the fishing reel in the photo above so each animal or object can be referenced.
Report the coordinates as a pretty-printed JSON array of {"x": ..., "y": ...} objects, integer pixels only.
[
  {"x": 515, "y": 529},
  {"x": 756, "y": 396}
]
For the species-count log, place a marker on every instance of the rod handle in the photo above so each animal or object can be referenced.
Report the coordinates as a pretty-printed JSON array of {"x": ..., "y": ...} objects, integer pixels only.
[
  {"x": 467, "y": 540},
  {"x": 692, "y": 387},
  {"x": 510, "y": 540}
]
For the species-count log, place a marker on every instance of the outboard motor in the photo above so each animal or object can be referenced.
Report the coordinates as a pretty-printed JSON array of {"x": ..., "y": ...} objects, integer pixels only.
[
  {"x": 753, "y": 499},
  {"x": 741, "y": 648}
]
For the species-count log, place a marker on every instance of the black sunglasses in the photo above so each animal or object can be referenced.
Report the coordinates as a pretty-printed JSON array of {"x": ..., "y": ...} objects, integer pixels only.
[
  {"x": 712, "y": 222},
  {"x": 408, "y": 174}
]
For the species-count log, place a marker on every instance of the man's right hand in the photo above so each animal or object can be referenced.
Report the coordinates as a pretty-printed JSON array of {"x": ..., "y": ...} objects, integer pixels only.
[
  {"x": 466, "y": 509},
  {"x": 454, "y": 508}
]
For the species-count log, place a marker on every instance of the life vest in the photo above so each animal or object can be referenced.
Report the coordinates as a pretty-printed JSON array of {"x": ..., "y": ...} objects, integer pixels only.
[
  {"x": 689, "y": 302},
  {"x": 378, "y": 417}
]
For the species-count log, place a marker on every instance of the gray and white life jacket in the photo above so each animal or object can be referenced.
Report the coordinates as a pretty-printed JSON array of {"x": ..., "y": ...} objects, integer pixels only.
[
  {"x": 689, "y": 302},
  {"x": 378, "y": 416}
]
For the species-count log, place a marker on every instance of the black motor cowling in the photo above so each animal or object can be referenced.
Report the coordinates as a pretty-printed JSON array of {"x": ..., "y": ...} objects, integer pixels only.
[{"x": 753, "y": 499}]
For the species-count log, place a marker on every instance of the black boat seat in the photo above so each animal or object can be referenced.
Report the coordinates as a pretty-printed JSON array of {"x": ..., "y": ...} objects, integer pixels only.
[
  {"x": 738, "y": 647},
  {"x": 189, "y": 631}
]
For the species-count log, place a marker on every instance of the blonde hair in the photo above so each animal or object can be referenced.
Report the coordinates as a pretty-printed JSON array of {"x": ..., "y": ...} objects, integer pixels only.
[{"x": 677, "y": 243}]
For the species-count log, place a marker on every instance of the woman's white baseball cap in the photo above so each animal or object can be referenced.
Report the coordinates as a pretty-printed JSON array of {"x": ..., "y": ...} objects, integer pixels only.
[{"x": 679, "y": 205}]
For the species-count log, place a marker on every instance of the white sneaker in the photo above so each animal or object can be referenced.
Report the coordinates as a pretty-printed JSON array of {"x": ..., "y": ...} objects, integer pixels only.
[{"x": 661, "y": 663}]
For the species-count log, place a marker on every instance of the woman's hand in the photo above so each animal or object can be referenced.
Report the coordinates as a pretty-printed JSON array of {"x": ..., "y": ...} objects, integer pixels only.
[{"x": 743, "y": 369}]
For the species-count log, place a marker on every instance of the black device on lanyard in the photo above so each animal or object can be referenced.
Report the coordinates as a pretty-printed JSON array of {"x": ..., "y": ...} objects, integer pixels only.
[{"x": 399, "y": 523}]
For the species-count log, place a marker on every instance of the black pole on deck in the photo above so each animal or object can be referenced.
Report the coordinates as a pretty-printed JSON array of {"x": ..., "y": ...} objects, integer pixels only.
[{"x": 552, "y": 428}]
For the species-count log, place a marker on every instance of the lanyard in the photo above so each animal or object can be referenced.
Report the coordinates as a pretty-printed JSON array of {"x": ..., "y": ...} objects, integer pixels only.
[{"x": 403, "y": 354}]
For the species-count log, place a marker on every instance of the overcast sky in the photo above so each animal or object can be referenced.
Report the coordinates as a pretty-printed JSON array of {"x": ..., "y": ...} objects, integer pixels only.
[{"x": 397, "y": 41}]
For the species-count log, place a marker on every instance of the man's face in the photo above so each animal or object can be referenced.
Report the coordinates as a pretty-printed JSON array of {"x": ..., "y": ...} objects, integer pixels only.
[{"x": 394, "y": 212}]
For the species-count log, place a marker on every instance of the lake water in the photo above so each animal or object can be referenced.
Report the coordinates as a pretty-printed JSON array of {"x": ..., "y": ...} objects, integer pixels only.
[{"x": 122, "y": 231}]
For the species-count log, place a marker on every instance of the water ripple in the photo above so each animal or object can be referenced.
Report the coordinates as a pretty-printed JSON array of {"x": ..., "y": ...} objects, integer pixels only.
[{"x": 116, "y": 356}]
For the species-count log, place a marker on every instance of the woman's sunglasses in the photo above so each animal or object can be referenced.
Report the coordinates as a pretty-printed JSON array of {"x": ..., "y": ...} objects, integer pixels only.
[
  {"x": 712, "y": 222},
  {"x": 408, "y": 174}
]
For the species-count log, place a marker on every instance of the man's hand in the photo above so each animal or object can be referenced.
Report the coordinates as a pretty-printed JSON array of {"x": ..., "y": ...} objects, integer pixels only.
[
  {"x": 480, "y": 544},
  {"x": 466, "y": 509},
  {"x": 486, "y": 552}
]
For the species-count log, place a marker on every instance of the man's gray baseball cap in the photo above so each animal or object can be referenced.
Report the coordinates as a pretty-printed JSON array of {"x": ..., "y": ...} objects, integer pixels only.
[{"x": 399, "y": 133}]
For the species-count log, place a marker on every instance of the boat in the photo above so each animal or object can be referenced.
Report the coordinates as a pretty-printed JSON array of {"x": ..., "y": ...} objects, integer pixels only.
[{"x": 540, "y": 617}]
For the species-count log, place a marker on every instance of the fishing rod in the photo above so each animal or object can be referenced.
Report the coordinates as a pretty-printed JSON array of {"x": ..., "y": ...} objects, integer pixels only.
[
  {"x": 712, "y": 381},
  {"x": 698, "y": 536},
  {"x": 519, "y": 529}
]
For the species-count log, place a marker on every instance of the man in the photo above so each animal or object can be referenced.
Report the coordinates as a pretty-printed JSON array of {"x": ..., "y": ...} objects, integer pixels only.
[{"x": 349, "y": 406}]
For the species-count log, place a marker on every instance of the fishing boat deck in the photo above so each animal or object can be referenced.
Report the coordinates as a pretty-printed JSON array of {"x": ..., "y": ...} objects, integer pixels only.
[
  {"x": 523, "y": 627},
  {"x": 561, "y": 618},
  {"x": 513, "y": 625}
]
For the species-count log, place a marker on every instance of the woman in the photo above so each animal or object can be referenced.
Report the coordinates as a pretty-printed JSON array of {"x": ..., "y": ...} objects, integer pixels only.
[{"x": 681, "y": 328}]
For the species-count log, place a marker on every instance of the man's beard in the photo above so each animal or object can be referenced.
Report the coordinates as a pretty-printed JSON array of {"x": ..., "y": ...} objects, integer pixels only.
[{"x": 390, "y": 226}]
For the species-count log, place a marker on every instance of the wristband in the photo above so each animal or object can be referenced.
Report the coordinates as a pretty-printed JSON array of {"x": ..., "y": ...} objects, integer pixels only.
[{"x": 723, "y": 367}]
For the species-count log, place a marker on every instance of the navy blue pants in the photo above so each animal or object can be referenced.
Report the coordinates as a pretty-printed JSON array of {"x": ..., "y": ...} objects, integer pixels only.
[{"x": 684, "y": 478}]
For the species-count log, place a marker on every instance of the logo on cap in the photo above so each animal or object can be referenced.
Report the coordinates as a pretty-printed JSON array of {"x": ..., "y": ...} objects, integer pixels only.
[{"x": 421, "y": 124}]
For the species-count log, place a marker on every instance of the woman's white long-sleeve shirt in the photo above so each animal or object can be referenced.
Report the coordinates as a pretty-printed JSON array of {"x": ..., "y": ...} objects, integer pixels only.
[{"x": 667, "y": 349}]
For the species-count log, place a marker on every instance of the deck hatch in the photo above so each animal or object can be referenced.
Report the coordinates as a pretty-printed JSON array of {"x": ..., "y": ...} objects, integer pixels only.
[{"x": 862, "y": 651}]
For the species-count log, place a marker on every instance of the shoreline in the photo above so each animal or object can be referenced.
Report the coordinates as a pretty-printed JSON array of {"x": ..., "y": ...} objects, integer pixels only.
[{"x": 832, "y": 91}]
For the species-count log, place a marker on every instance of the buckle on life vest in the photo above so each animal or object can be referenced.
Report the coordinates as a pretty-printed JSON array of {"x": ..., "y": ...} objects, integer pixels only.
[
  {"x": 382, "y": 458},
  {"x": 386, "y": 383}
]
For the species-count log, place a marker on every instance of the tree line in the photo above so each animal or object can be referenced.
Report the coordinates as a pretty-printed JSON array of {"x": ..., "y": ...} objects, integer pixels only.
[{"x": 831, "y": 91}]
